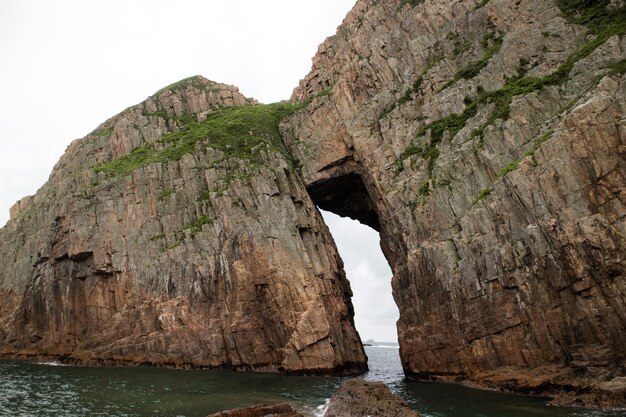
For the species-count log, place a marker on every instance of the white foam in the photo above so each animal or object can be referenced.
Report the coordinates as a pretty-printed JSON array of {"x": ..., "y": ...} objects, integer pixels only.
[
  {"x": 53, "y": 363},
  {"x": 320, "y": 411}
]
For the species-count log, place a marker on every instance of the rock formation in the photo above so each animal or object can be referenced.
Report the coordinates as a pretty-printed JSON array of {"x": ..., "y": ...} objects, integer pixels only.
[
  {"x": 485, "y": 140},
  {"x": 358, "y": 398},
  {"x": 278, "y": 410},
  {"x": 178, "y": 233}
]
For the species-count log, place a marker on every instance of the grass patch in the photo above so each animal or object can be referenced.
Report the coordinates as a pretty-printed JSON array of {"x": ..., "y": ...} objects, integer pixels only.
[
  {"x": 166, "y": 193},
  {"x": 493, "y": 43},
  {"x": 482, "y": 194},
  {"x": 408, "y": 94},
  {"x": 196, "y": 226},
  {"x": 172, "y": 246},
  {"x": 425, "y": 188},
  {"x": 412, "y": 3},
  {"x": 594, "y": 14},
  {"x": 196, "y": 81},
  {"x": 538, "y": 142},
  {"x": 157, "y": 237},
  {"x": 238, "y": 132},
  {"x": 102, "y": 132},
  {"x": 511, "y": 166},
  {"x": 428, "y": 152},
  {"x": 619, "y": 68},
  {"x": 205, "y": 196}
]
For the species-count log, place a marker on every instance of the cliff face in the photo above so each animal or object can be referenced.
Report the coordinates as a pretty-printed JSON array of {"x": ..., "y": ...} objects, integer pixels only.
[
  {"x": 486, "y": 141},
  {"x": 178, "y": 233}
]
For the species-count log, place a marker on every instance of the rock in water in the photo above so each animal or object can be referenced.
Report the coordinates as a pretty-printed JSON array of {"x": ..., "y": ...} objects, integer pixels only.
[
  {"x": 278, "y": 410},
  {"x": 485, "y": 141},
  {"x": 359, "y": 398},
  {"x": 178, "y": 233}
]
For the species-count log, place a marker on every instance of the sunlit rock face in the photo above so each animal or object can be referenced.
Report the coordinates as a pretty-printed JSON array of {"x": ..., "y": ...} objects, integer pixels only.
[
  {"x": 486, "y": 141},
  {"x": 178, "y": 233}
]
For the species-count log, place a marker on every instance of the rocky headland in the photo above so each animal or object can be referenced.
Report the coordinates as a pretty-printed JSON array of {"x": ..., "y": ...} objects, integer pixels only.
[{"x": 484, "y": 139}]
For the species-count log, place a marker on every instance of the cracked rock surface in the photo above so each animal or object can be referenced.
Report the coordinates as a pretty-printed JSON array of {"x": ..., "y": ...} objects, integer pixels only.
[
  {"x": 489, "y": 137},
  {"x": 201, "y": 258}
]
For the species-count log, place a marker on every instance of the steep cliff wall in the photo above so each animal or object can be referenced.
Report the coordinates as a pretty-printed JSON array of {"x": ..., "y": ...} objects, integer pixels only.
[
  {"x": 486, "y": 141},
  {"x": 178, "y": 233}
]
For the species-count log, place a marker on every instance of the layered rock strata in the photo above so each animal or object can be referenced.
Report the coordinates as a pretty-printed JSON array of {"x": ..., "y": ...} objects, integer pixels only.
[
  {"x": 485, "y": 140},
  {"x": 178, "y": 233}
]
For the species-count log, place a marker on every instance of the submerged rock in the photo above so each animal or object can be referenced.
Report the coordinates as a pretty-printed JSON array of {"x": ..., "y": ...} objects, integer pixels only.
[{"x": 359, "y": 398}]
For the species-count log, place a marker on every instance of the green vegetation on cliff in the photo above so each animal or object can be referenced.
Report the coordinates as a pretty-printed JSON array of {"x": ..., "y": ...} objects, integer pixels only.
[
  {"x": 598, "y": 15},
  {"x": 238, "y": 132},
  {"x": 196, "y": 81},
  {"x": 601, "y": 20}
]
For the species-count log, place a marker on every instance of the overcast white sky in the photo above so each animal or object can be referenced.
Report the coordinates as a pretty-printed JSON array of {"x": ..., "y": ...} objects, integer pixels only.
[{"x": 68, "y": 65}]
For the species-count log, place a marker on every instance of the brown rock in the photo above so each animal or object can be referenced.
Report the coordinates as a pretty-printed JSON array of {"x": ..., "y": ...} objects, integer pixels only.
[
  {"x": 358, "y": 398},
  {"x": 149, "y": 245},
  {"x": 278, "y": 410},
  {"x": 504, "y": 224}
]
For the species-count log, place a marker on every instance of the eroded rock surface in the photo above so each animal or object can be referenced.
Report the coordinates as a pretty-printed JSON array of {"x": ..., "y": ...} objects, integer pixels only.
[
  {"x": 178, "y": 233},
  {"x": 358, "y": 398},
  {"x": 278, "y": 410},
  {"x": 489, "y": 140}
]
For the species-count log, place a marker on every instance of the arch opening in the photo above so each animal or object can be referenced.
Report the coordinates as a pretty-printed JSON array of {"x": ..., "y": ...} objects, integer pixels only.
[
  {"x": 352, "y": 217},
  {"x": 346, "y": 196},
  {"x": 367, "y": 269}
]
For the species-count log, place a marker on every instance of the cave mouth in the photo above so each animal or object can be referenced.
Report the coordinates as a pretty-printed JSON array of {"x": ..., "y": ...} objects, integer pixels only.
[
  {"x": 353, "y": 221},
  {"x": 345, "y": 196}
]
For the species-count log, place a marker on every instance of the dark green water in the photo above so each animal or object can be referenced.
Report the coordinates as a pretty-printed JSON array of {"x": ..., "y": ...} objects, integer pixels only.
[{"x": 29, "y": 389}]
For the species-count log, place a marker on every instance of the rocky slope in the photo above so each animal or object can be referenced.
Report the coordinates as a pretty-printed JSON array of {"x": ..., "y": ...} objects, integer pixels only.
[
  {"x": 486, "y": 141},
  {"x": 178, "y": 233}
]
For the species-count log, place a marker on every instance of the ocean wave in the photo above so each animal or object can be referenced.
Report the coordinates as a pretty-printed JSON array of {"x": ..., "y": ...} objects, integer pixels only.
[
  {"x": 320, "y": 411},
  {"x": 53, "y": 363}
]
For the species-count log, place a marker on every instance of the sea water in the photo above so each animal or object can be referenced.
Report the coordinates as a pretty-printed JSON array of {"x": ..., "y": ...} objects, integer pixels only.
[{"x": 49, "y": 389}]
